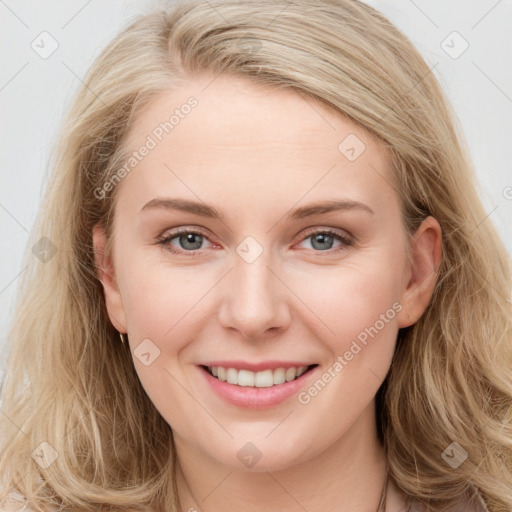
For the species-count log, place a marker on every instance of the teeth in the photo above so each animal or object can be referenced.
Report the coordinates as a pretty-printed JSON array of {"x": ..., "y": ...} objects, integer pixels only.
[
  {"x": 290, "y": 374},
  {"x": 232, "y": 376},
  {"x": 245, "y": 378},
  {"x": 279, "y": 376},
  {"x": 264, "y": 379}
]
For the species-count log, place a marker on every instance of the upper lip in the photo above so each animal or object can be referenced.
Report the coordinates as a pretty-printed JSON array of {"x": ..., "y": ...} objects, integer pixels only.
[{"x": 256, "y": 367}]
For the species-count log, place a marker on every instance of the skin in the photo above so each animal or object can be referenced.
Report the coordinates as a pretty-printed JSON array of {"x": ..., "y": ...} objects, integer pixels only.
[{"x": 255, "y": 154}]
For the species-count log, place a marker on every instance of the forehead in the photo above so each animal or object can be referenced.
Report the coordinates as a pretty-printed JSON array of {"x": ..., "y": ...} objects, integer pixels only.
[{"x": 249, "y": 141}]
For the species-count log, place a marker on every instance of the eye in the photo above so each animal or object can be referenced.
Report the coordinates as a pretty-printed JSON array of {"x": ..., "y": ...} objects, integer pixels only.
[
  {"x": 189, "y": 241},
  {"x": 322, "y": 240}
]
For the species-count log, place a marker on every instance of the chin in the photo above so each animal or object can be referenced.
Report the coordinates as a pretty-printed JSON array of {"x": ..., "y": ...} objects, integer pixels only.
[{"x": 261, "y": 456}]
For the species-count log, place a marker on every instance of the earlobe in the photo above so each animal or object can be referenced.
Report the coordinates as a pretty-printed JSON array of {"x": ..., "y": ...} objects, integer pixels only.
[
  {"x": 106, "y": 274},
  {"x": 426, "y": 251}
]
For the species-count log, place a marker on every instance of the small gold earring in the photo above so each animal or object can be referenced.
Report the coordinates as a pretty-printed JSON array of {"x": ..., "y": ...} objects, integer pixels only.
[{"x": 122, "y": 338}]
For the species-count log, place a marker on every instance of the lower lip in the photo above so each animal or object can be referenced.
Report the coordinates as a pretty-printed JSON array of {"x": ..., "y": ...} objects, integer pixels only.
[{"x": 252, "y": 397}]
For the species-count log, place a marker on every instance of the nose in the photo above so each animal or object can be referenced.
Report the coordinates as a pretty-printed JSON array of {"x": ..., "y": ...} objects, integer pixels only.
[{"x": 254, "y": 300}]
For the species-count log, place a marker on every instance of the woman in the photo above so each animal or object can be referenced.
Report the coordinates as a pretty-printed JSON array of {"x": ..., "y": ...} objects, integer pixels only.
[{"x": 255, "y": 368}]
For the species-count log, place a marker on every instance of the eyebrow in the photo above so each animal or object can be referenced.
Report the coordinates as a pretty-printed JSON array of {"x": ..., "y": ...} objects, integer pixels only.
[{"x": 204, "y": 210}]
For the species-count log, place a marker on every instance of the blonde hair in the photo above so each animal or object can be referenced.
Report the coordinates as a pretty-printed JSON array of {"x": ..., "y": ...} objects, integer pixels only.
[{"x": 71, "y": 384}]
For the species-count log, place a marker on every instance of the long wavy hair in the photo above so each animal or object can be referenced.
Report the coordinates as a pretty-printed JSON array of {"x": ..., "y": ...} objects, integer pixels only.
[{"x": 77, "y": 428}]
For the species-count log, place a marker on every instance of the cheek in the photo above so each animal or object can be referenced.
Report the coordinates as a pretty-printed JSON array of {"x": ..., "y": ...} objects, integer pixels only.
[
  {"x": 160, "y": 299},
  {"x": 354, "y": 296},
  {"x": 360, "y": 308},
  {"x": 162, "y": 304}
]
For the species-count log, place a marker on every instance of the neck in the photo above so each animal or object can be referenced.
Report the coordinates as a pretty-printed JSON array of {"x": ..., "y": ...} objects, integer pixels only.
[{"x": 346, "y": 476}]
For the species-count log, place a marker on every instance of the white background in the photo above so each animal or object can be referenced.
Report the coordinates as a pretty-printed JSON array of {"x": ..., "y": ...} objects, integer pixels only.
[{"x": 35, "y": 93}]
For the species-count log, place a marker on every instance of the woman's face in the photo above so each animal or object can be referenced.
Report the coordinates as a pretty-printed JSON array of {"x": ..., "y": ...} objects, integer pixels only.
[{"x": 249, "y": 285}]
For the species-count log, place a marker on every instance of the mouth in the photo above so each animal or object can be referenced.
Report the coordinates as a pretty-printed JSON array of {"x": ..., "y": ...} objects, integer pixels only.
[
  {"x": 262, "y": 379},
  {"x": 252, "y": 385}
]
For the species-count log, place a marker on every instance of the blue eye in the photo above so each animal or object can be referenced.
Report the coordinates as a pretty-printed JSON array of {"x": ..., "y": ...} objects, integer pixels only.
[
  {"x": 190, "y": 241},
  {"x": 322, "y": 238},
  {"x": 187, "y": 239}
]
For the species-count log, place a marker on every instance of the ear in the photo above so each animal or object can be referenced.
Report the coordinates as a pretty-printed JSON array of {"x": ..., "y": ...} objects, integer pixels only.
[
  {"x": 426, "y": 251},
  {"x": 105, "y": 270}
]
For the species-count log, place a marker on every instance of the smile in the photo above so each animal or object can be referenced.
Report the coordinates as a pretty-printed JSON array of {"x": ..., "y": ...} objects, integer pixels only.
[
  {"x": 256, "y": 385},
  {"x": 261, "y": 379}
]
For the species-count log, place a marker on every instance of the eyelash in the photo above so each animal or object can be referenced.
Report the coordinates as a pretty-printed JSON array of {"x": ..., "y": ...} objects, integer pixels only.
[{"x": 165, "y": 240}]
